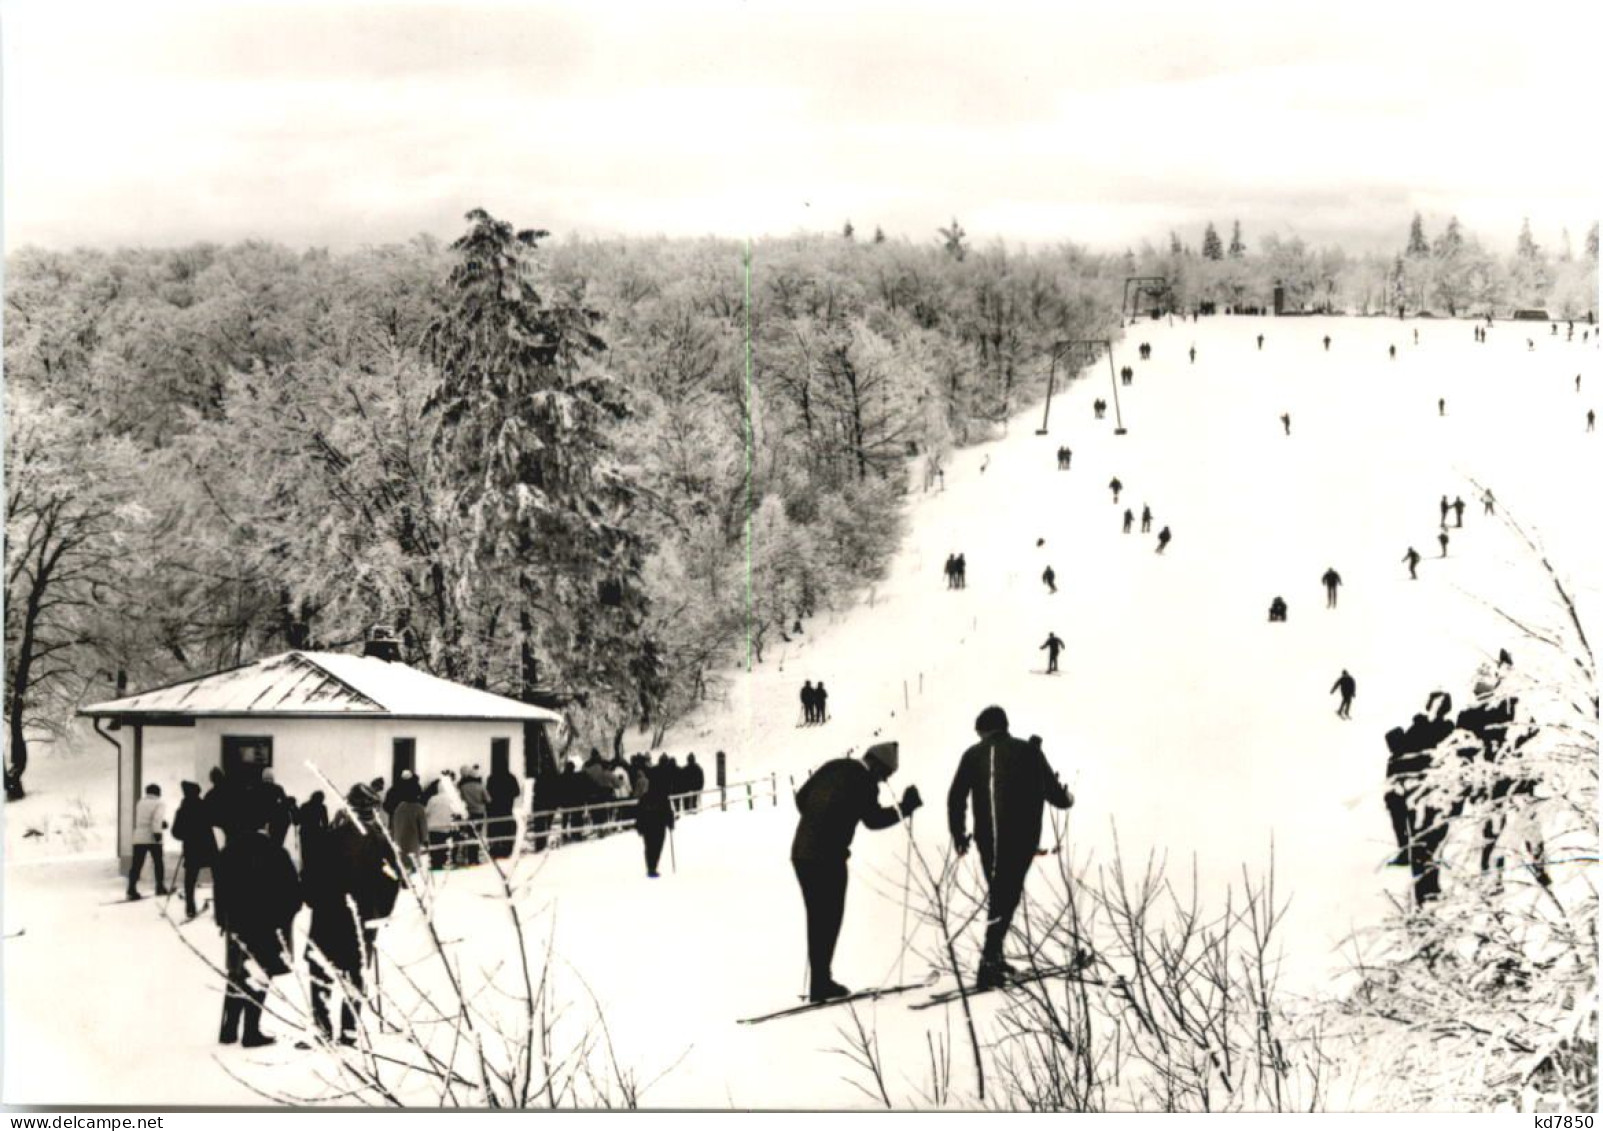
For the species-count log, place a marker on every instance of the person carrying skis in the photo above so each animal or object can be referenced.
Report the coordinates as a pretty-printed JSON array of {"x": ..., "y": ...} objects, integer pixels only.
[
  {"x": 840, "y": 795},
  {"x": 1412, "y": 558},
  {"x": 1008, "y": 782},
  {"x": 1348, "y": 688},
  {"x": 1051, "y": 579},
  {"x": 1052, "y": 647},
  {"x": 1332, "y": 581}
]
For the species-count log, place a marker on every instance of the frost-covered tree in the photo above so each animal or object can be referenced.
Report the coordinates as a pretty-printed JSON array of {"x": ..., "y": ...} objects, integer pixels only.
[
  {"x": 848, "y": 232},
  {"x": 1212, "y": 248},
  {"x": 1238, "y": 247},
  {"x": 952, "y": 239},
  {"x": 1418, "y": 245}
]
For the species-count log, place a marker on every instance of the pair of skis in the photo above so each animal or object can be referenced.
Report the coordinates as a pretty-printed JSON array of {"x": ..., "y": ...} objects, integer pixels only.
[{"x": 1075, "y": 971}]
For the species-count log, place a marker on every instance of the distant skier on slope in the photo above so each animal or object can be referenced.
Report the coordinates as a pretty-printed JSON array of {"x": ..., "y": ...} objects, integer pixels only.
[
  {"x": 1129, "y": 519},
  {"x": 1412, "y": 558},
  {"x": 1052, "y": 647},
  {"x": 1348, "y": 688},
  {"x": 1008, "y": 782},
  {"x": 1193, "y": 355},
  {"x": 1445, "y": 507},
  {"x": 1260, "y": 342},
  {"x": 1146, "y": 519},
  {"x": 1331, "y": 581},
  {"x": 1327, "y": 343},
  {"x": 1163, "y": 540},
  {"x": 1051, "y": 579},
  {"x": 1285, "y": 419},
  {"x": 1115, "y": 486},
  {"x": 1392, "y": 351},
  {"x": 1458, "y": 512},
  {"x": 1489, "y": 499},
  {"x": 1442, "y": 538},
  {"x": 1277, "y": 610},
  {"x": 832, "y": 802}
]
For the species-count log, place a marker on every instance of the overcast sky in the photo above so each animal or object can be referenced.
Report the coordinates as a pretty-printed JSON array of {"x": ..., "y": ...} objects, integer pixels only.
[{"x": 343, "y": 124}]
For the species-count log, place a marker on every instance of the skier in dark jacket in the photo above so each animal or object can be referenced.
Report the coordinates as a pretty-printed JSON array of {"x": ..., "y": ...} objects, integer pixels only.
[
  {"x": 1129, "y": 519},
  {"x": 695, "y": 782},
  {"x": 841, "y": 794},
  {"x": 1412, "y": 558},
  {"x": 821, "y": 697},
  {"x": 1008, "y": 782},
  {"x": 809, "y": 699},
  {"x": 1163, "y": 539},
  {"x": 351, "y": 888},
  {"x": 256, "y": 895},
  {"x": 1051, "y": 579},
  {"x": 654, "y": 813},
  {"x": 1348, "y": 688},
  {"x": 1053, "y": 646},
  {"x": 1331, "y": 581},
  {"x": 193, "y": 829}
]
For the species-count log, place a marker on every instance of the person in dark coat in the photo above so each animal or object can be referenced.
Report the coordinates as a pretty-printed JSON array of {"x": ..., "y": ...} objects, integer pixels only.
[
  {"x": 1163, "y": 539},
  {"x": 1285, "y": 419},
  {"x": 1331, "y": 581},
  {"x": 1348, "y": 687},
  {"x": 821, "y": 697},
  {"x": 695, "y": 782},
  {"x": 808, "y": 701},
  {"x": 1115, "y": 486},
  {"x": 1146, "y": 519},
  {"x": 1129, "y": 519},
  {"x": 394, "y": 795},
  {"x": 1277, "y": 609},
  {"x": 1053, "y": 646},
  {"x": 1412, "y": 558},
  {"x": 477, "y": 803},
  {"x": 1051, "y": 579},
  {"x": 256, "y": 895},
  {"x": 350, "y": 891},
  {"x": 839, "y": 796},
  {"x": 1458, "y": 511},
  {"x": 654, "y": 813},
  {"x": 192, "y": 828},
  {"x": 281, "y": 807},
  {"x": 503, "y": 792},
  {"x": 409, "y": 825},
  {"x": 1008, "y": 783}
]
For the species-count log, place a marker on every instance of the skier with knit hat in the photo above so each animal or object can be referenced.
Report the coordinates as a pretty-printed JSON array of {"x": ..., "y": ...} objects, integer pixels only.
[
  {"x": 1008, "y": 781},
  {"x": 838, "y": 796}
]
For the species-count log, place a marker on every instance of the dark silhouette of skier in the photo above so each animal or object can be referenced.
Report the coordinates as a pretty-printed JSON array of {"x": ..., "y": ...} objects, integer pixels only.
[
  {"x": 1115, "y": 486},
  {"x": 1129, "y": 519},
  {"x": 809, "y": 702},
  {"x": 1277, "y": 610},
  {"x": 1348, "y": 688},
  {"x": 1392, "y": 350},
  {"x": 838, "y": 797},
  {"x": 821, "y": 699},
  {"x": 950, "y": 570},
  {"x": 1260, "y": 341},
  {"x": 1458, "y": 511},
  {"x": 1008, "y": 782},
  {"x": 1441, "y": 406},
  {"x": 962, "y": 571},
  {"x": 1412, "y": 558},
  {"x": 1285, "y": 419},
  {"x": 1052, "y": 647},
  {"x": 1327, "y": 343},
  {"x": 1331, "y": 581},
  {"x": 1446, "y": 506},
  {"x": 1051, "y": 579},
  {"x": 1193, "y": 355},
  {"x": 1163, "y": 540},
  {"x": 1591, "y": 420},
  {"x": 1442, "y": 538},
  {"x": 1146, "y": 519}
]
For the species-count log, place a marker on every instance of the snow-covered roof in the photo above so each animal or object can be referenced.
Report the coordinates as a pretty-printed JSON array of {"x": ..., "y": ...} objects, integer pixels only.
[{"x": 323, "y": 684}]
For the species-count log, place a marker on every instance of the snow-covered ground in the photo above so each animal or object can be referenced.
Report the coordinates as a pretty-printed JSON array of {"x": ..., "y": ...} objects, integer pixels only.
[{"x": 1180, "y": 716}]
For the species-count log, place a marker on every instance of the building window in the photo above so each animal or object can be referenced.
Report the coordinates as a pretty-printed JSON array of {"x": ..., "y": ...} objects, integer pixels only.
[
  {"x": 246, "y": 756},
  {"x": 403, "y": 756}
]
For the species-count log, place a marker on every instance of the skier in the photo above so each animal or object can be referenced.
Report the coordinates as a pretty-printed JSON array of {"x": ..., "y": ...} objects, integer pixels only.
[
  {"x": 961, "y": 571},
  {"x": 1591, "y": 420},
  {"x": 1163, "y": 540},
  {"x": 1277, "y": 610},
  {"x": 950, "y": 570},
  {"x": 1441, "y": 406},
  {"x": 654, "y": 815},
  {"x": 477, "y": 803},
  {"x": 821, "y": 699},
  {"x": 1008, "y": 782},
  {"x": 1129, "y": 519},
  {"x": 1052, "y": 647},
  {"x": 1285, "y": 419},
  {"x": 350, "y": 892},
  {"x": 1412, "y": 558},
  {"x": 809, "y": 702},
  {"x": 1458, "y": 512},
  {"x": 1146, "y": 519},
  {"x": 1442, "y": 538},
  {"x": 255, "y": 897},
  {"x": 1577, "y": 382},
  {"x": 1488, "y": 500},
  {"x": 695, "y": 782},
  {"x": 1348, "y": 688},
  {"x": 1193, "y": 355},
  {"x": 1416, "y": 337},
  {"x": 1392, "y": 350},
  {"x": 1051, "y": 579},
  {"x": 841, "y": 794},
  {"x": 1446, "y": 506},
  {"x": 150, "y": 825},
  {"x": 409, "y": 825},
  {"x": 1115, "y": 486},
  {"x": 194, "y": 832},
  {"x": 1327, "y": 343},
  {"x": 1331, "y": 581},
  {"x": 1260, "y": 342}
]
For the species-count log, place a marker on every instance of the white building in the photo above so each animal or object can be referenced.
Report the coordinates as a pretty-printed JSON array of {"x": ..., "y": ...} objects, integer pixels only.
[{"x": 317, "y": 715}]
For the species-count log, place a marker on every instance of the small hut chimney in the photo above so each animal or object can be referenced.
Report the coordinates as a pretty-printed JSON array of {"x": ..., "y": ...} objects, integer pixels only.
[{"x": 382, "y": 643}]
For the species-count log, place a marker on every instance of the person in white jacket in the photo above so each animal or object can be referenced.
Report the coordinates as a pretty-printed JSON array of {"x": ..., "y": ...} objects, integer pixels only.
[
  {"x": 150, "y": 827},
  {"x": 443, "y": 810}
]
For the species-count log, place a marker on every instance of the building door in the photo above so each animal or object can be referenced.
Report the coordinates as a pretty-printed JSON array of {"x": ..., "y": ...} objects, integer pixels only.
[
  {"x": 246, "y": 756},
  {"x": 403, "y": 756},
  {"x": 500, "y": 755}
]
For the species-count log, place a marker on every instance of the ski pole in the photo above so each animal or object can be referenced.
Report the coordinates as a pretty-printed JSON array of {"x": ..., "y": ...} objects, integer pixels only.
[
  {"x": 673, "y": 857},
  {"x": 907, "y": 887}
]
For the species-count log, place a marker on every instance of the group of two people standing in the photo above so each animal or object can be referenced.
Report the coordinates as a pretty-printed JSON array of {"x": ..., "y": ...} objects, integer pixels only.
[{"x": 1006, "y": 780}]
